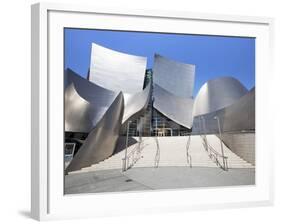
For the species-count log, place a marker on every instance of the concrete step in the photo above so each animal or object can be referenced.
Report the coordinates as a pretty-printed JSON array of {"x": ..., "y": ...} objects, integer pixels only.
[
  {"x": 172, "y": 153},
  {"x": 233, "y": 160}
]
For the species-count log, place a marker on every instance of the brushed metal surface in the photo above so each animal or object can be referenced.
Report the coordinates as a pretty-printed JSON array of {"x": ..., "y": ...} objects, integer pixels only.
[
  {"x": 175, "y": 77},
  {"x": 117, "y": 71},
  {"x": 78, "y": 112},
  {"x": 176, "y": 108},
  {"x": 217, "y": 94},
  {"x": 239, "y": 116},
  {"x": 85, "y": 103},
  {"x": 136, "y": 104},
  {"x": 173, "y": 88},
  {"x": 101, "y": 141}
]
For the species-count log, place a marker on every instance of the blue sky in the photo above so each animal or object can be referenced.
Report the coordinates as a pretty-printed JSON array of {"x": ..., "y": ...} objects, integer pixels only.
[{"x": 214, "y": 56}]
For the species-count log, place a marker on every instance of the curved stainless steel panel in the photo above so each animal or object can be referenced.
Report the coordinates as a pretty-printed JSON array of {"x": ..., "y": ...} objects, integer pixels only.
[
  {"x": 77, "y": 111},
  {"x": 217, "y": 94},
  {"x": 136, "y": 104},
  {"x": 101, "y": 141},
  {"x": 85, "y": 103},
  {"x": 117, "y": 71},
  {"x": 176, "y": 108},
  {"x": 175, "y": 77},
  {"x": 239, "y": 116}
]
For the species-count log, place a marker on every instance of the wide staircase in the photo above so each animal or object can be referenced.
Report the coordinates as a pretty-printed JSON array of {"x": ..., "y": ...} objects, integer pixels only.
[{"x": 171, "y": 151}]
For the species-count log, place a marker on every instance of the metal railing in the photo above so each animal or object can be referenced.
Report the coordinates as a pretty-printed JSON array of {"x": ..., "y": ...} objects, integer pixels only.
[
  {"x": 132, "y": 157},
  {"x": 214, "y": 155},
  {"x": 188, "y": 156},
  {"x": 162, "y": 131},
  {"x": 157, "y": 155}
]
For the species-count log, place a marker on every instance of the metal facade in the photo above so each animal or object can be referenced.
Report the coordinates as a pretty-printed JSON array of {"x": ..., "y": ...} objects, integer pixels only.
[
  {"x": 173, "y": 88},
  {"x": 237, "y": 117},
  {"x": 176, "y": 108},
  {"x": 114, "y": 94},
  {"x": 117, "y": 71},
  {"x": 101, "y": 141},
  {"x": 137, "y": 104},
  {"x": 175, "y": 77},
  {"x": 217, "y": 94},
  {"x": 85, "y": 103}
]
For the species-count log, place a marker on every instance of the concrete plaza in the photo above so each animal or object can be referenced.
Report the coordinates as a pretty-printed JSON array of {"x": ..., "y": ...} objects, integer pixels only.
[
  {"x": 138, "y": 179},
  {"x": 172, "y": 171}
]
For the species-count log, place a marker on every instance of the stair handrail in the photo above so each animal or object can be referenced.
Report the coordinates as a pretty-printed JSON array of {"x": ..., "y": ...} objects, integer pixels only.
[
  {"x": 134, "y": 155},
  {"x": 157, "y": 154},
  {"x": 188, "y": 156},
  {"x": 214, "y": 155}
]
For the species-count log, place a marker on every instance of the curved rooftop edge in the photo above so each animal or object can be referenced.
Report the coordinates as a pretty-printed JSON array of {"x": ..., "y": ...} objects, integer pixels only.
[
  {"x": 175, "y": 108},
  {"x": 117, "y": 71},
  {"x": 136, "y": 104},
  {"x": 101, "y": 141},
  {"x": 85, "y": 103},
  {"x": 175, "y": 77},
  {"x": 217, "y": 94}
]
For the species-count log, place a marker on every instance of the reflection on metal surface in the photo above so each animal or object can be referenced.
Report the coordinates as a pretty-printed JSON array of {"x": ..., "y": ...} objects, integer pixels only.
[
  {"x": 101, "y": 141},
  {"x": 77, "y": 111},
  {"x": 85, "y": 103},
  {"x": 239, "y": 116},
  {"x": 172, "y": 89},
  {"x": 175, "y": 77},
  {"x": 137, "y": 104},
  {"x": 217, "y": 94},
  {"x": 114, "y": 95},
  {"x": 176, "y": 108},
  {"x": 117, "y": 71}
]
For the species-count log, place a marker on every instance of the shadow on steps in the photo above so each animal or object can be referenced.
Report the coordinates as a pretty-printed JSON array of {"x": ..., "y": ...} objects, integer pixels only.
[{"x": 121, "y": 144}]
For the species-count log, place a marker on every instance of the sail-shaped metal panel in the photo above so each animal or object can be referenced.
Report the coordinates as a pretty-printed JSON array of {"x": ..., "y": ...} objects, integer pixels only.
[
  {"x": 85, "y": 103},
  {"x": 175, "y": 77},
  {"x": 101, "y": 141},
  {"x": 173, "y": 88},
  {"x": 137, "y": 104},
  {"x": 176, "y": 108},
  {"x": 117, "y": 71}
]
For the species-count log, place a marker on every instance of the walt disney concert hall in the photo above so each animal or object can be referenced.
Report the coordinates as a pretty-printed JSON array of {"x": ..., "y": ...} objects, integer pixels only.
[{"x": 121, "y": 98}]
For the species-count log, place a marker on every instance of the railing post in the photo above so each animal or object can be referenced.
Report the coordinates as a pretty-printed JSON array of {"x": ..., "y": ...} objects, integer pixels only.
[
  {"x": 222, "y": 151},
  {"x": 187, "y": 151},
  {"x": 157, "y": 155},
  {"x": 204, "y": 127},
  {"x": 140, "y": 133},
  {"x": 126, "y": 149}
]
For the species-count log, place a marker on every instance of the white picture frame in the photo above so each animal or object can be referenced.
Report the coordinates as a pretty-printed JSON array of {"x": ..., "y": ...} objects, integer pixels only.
[{"x": 48, "y": 201}]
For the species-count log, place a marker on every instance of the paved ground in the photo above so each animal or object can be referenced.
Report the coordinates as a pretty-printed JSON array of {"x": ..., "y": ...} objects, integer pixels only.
[{"x": 138, "y": 179}]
